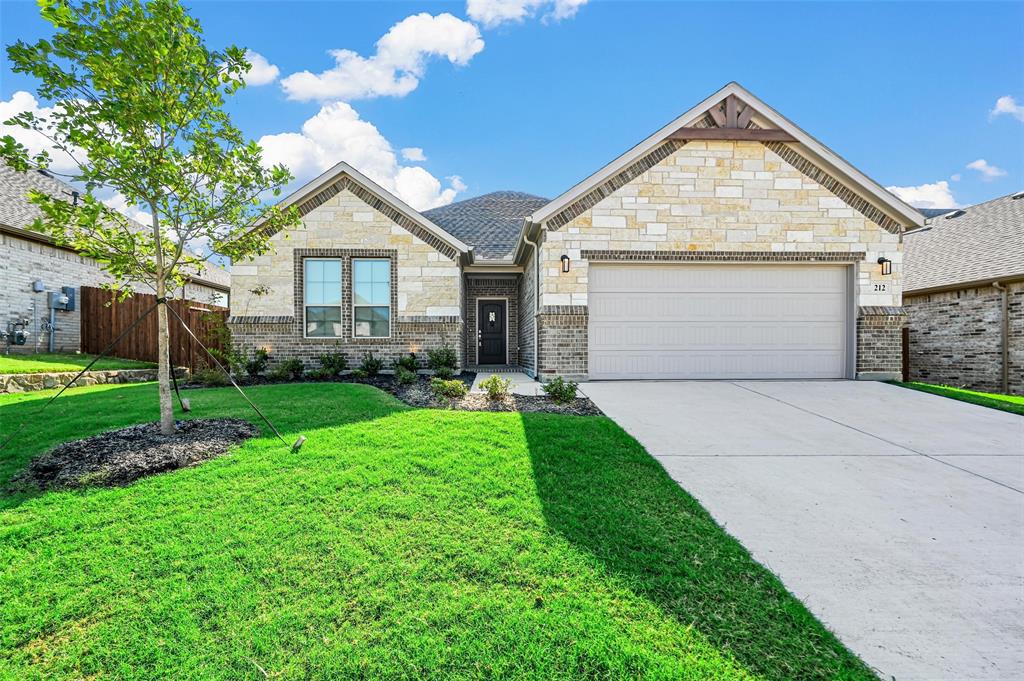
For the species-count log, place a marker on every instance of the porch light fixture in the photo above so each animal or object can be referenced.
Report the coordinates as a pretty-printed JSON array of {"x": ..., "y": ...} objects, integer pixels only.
[
  {"x": 565, "y": 263},
  {"x": 886, "y": 265}
]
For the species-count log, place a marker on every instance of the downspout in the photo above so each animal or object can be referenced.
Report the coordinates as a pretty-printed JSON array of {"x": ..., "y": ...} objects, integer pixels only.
[
  {"x": 1004, "y": 335},
  {"x": 537, "y": 298}
]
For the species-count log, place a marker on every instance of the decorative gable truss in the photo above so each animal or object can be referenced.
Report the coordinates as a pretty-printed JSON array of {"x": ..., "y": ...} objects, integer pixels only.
[{"x": 728, "y": 117}]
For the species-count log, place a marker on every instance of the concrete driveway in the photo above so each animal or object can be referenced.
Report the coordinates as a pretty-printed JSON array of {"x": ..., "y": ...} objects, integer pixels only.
[{"x": 896, "y": 516}]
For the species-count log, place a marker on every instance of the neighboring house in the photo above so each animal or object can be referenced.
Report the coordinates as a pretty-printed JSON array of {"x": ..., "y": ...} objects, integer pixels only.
[
  {"x": 30, "y": 260},
  {"x": 729, "y": 244},
  {"x": 963, "y": 289}
]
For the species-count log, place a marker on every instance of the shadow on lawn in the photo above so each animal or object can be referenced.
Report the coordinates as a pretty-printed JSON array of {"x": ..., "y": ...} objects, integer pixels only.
[
  {"x": 601, "y": 490},
  {"x": 78, "y": 414}
]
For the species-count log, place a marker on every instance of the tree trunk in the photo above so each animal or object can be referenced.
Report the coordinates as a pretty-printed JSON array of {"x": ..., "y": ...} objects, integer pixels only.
[{"x": 164, "y": 366}]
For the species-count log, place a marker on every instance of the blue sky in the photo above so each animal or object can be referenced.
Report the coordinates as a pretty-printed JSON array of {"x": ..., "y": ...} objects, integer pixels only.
[{"x": 536, "y": 102}]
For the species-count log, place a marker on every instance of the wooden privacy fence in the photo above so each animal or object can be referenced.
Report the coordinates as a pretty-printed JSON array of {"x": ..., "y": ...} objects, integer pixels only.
[{"x": 104, "y": 318}]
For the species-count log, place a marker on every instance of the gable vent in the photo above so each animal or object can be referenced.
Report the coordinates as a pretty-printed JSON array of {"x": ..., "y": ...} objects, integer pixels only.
[{"x": 955, "y": 214}]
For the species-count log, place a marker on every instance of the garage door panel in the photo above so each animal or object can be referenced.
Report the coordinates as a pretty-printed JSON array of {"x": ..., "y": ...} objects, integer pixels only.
[
  {"x": 742, "y": 336},
  {"x": 621, "y": 306},
  {"x": 717, "y": 321}
]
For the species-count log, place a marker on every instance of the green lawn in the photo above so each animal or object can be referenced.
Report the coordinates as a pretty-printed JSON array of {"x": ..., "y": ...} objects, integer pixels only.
[
  {"x": 1011, "y": 403},
  {"x": 399, "y": 543},
  {"x": 59, "y": 361}
]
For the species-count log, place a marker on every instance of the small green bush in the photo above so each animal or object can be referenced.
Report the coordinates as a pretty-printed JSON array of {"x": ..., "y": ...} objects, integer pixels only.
[
  {"x": 404, "y": 376},
  {"x": 278, "y": 373},
  {"x": 371, "y": 365},
  {"x": 293, "y": 368},
  {"x": 496, "y": 386},
  {"x": 359, "y": 374},
  {"x": 560, "y": 390},
  {"x": 442, "y": 358},
  {"x": 320, "y": 374},
  {"x": 444, "y": 373},
  {"x": 258, "y": 364},
  {"x": 450, "y": 389},
  {"x": 407, "y": 362},
  {"x": 333, "y": 364},
  {"x": 211, "y": 376}
]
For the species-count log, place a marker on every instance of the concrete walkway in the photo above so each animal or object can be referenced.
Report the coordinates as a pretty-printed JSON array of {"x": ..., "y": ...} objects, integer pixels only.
[
  {"x": 896, "y": 516},
  {"x": 521, "y": 383}
]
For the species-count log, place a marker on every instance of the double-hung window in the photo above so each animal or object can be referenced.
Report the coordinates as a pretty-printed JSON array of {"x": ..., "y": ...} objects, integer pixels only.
[
  {"x": 322, "y": 286},
  {"x": 371, "y": 298}
]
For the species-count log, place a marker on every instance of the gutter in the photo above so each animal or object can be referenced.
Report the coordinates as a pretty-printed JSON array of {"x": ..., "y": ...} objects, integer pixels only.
[
  {"x": 536, "y": 296},
  {"x": 1004, "y": 333}
]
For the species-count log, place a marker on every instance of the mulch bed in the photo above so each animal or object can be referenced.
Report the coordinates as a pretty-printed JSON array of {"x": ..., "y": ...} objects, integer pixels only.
[{"x": 119, "y": 457}]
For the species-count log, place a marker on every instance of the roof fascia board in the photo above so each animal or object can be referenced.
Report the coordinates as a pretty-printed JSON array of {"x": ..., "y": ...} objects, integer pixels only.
[
  {"x": 958, "y": 286},
  {"x": 885, "y": 201}
]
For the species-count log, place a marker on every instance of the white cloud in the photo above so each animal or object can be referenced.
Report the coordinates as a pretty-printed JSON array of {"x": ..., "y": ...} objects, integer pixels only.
[
  {"x": 261, "y": 71},
  {"x": 934, "y": 195},
  {"x": 337, "y": 133},
  {"x": 1007, "y": 105},
  {"x": 955, "y": 177},
  {"x": 491, "y": 13},
  {"x": 413, "y": 154},
  {"x": 396, "y": 67},
  {"x": 988, "y": 172},
  {"x": 119, "y": 203},
  {"x": 24, "y": 101}
]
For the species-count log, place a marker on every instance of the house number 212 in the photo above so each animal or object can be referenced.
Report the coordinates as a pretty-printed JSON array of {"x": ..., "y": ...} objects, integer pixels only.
[{"x": 881, "y": 288}]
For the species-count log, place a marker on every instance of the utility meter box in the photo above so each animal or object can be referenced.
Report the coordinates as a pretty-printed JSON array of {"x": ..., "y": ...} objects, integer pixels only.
[{"x": 69, "y": 291}]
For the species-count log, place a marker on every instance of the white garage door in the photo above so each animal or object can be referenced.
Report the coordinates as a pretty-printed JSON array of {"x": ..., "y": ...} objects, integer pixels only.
[{"x": 717, "y": 321}]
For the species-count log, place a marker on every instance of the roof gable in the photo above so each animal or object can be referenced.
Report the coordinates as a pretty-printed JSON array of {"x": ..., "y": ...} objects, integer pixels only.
[
  {"x": 745, "y": 117},
  {"x": 491, "y": 222},
  {"x": 344, "y": 177}
]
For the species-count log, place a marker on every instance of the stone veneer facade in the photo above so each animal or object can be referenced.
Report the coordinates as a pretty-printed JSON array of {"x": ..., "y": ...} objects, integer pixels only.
[
  {"x": 955, "y": 337},
  {"x": 346, "y": 223},
  {"x": 720, "y": 201}
]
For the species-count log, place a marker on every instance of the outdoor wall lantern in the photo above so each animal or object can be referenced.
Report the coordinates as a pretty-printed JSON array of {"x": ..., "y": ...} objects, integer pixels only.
[
  {"x": 886, "y": 265},
  {"x": 565, "y": 263}
]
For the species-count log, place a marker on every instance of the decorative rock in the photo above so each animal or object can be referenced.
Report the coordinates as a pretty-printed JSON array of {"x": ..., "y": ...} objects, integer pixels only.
[{"x": 17, "y": 383}]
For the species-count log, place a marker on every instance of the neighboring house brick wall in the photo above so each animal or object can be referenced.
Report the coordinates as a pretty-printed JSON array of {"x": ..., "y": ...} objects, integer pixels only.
[
  {"x": 23, "y": 261},
  {"x": 880, "y": 342},
  {"x": 426, "y": 287},
  {"x": 495, "y": 286},
  {"x": 527, "y": 314},
  {"x": 955, "y": 337}
]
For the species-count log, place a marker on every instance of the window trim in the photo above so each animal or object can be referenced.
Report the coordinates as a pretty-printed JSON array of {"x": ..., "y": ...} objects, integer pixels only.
[
  {"x": 391, "y": 284},
  {"x": 341, "y": 297}
]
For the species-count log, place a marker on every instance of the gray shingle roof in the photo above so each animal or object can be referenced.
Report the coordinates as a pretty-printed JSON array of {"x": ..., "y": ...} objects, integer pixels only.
[
  {"x": 986, "y": 242},
  {"x": 17, "y": 212},
  {"x": 490, "y": 223}
]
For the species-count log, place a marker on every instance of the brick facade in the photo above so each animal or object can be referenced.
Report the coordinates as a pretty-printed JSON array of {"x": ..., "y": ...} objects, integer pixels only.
[
  {"x": 492, "y": 286},
  {"x": 284, "y": 340},
  {"x": 956, "y": 338},
  {"x": 23, "y": 261},
  {"x": 562, "y": 333},
  {"x": 880, "y": 342},
  {"x": 527, "y": 316}
]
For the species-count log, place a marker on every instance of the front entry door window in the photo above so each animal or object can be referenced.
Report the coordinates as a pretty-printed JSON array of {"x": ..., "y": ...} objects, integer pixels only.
[{"x": 491, "y": 332}]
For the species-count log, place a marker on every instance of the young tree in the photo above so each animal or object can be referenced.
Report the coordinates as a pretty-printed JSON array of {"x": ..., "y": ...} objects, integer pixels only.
[{"x": 138, "y": 107}]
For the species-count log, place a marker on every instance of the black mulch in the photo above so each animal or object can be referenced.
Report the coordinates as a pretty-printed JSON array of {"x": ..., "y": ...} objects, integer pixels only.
[{"x": 120, "y": 457}]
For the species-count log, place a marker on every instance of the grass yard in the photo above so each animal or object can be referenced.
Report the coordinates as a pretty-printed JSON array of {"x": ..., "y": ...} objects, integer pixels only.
[
  {"x": 59, "y": 361},
  {"x": 399, "y": 543},
  {"x": 1011, "y": 403}
]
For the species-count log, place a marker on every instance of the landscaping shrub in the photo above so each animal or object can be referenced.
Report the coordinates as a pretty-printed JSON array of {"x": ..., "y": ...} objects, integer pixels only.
[
  {"x": 258, "y": 364},
  {"x": 496, "y": 386},
  {"x": 333, "y": 363},
  {"x": 359, "y": 374},
  {"x": 443, "y": 358},
  {"x": 320, "y": 374},
  {"x": 444, "y": 373},
  {"x": 404, "y": 376},
  {"x": 210, "y": 377},
  {"x": 371, "y": 365},
  {"x": 293, "y": 368},
  {"x": 279, "y": 373},
  {"x": 560, "y": 390},
  {"x": 450, "y": 389},
  {"x": 407, "y": 362}
]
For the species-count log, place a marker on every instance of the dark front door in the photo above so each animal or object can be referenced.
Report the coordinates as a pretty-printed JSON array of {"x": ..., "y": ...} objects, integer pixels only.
[{"x": 491, "y": 333}]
